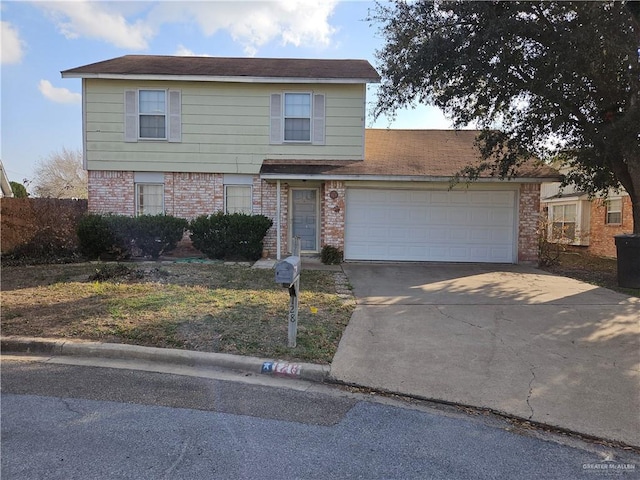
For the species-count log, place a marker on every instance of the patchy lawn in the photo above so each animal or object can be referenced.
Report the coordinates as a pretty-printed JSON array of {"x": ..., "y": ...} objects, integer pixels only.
[
  {"x": 209, "y": 307},
  {"x": 588, "y": 268}
]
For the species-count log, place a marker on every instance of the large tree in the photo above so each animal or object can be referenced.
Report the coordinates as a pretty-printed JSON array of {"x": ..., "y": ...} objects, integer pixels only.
[
  {"x": 549, "y": 79},
  {"x": 61, "y": 175}
]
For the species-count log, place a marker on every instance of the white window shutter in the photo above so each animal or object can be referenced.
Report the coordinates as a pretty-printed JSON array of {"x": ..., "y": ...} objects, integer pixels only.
[
  {"x": 130, "y": 116},
  {"x": 175, "y": 116},
  {"x": 318, "y": 119},
  {"x": 275, "y": 115}
]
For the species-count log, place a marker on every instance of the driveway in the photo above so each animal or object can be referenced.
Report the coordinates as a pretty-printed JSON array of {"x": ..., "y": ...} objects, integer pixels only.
[{"x": 511, "y": 338}]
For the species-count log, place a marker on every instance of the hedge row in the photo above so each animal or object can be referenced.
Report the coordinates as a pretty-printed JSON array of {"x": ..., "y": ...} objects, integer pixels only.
[
  {"x": 219, "y": 236},
  {"x": 119, "y": 236}
]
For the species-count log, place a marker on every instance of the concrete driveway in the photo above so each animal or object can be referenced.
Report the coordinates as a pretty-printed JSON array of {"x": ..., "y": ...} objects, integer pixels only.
[{"x": 510, "y": 338}]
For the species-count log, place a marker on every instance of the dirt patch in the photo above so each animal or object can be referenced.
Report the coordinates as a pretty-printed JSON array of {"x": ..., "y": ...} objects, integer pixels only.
[{"x": 599, "y": 271}]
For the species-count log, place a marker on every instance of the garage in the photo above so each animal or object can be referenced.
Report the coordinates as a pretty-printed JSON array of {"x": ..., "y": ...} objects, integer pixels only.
[{"x": 430, "y": 225}]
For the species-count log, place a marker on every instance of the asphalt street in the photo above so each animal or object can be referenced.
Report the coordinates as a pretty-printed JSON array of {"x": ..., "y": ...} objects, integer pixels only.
[{"x": 77, "y": 422}]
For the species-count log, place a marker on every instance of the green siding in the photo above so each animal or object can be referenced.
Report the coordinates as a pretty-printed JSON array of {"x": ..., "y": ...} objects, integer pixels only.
[{"x": 225, "y": 127}]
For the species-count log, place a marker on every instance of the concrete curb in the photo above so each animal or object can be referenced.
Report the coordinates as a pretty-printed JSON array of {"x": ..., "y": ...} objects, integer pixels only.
[{"x": 49, "y": 346}]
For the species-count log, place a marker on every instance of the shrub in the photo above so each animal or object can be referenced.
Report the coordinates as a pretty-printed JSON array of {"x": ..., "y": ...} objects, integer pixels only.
[
  {"x": 46, "y": 246},
  {"x": 155, "y": 234},
  {"x": 330, "y": 255},
  {"x": 117, "y": 236},
  {"x": 233, "y": 236},
  {"x": 94, "y": 235}
]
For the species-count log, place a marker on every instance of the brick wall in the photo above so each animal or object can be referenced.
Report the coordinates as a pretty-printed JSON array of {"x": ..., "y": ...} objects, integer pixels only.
[
  {"x": 529, "y": 211},
  {"x": 111, "y": 192},
  {"x": 332, "y": 229},
  {"x": 188, "y": 195},
  {"x": 601, "y": 241}
]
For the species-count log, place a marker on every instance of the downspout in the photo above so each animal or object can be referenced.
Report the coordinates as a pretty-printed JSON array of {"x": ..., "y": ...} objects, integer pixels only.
[{"x": 278, "y": 226}]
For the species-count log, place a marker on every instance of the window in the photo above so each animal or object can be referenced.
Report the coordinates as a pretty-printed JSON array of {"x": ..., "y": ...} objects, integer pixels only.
[
  {"x": 563, "y": 222},
  {"x": 149, "y": 199},
  {"x": 152, "y": 110},
  {"x": 152, "y": 115},
  {"x": 237, "y": 199},
  {"x": 614, "y": 211},
  {"x": 297, "y": 117}
]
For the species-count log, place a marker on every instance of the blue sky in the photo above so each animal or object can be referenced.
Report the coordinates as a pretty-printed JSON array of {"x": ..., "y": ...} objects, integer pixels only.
[{"x": 41, "y": 112}]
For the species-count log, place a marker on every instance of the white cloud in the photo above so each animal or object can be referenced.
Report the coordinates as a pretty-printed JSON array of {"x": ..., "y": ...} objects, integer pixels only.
[
  {"x": 99, "y": 20},
  {"x": 183, "y": 51},
  {"x": 252, "y": 23},
  {"x": 58, "y": 95},
  {"x": 12, "y": 50},
  {"x": 255, "y": 23}
]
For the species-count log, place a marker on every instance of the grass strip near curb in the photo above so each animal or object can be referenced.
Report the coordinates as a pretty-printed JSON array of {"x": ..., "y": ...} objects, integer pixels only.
[{"x": 203, "y": 307}]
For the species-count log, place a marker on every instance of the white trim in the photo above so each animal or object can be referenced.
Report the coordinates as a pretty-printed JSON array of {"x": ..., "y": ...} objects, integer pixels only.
[
  {"x": 284, "y": 116},
  {"x": 166, "y": 114},
  {"x": 278, "y": 221},
  {"x": 148, "y": 177},
  {"x": 233, "y": 79}
]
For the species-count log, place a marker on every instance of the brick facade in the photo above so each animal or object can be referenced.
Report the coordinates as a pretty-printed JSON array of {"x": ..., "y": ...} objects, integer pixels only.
[
  {"x": 528, "y": 213},
  {"x": 333, "y": 211},
  {"x": 188, "y": 195},
  {"x": 111, "y": 192},
  {"x": 601, "y": 241}
]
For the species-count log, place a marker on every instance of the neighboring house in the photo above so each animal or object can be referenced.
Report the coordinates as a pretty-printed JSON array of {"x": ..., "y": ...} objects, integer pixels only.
[
  {"x": 5, "y": 186},
  {"x": 575, "y": 219},
  {"x": 286, "y": 138}
]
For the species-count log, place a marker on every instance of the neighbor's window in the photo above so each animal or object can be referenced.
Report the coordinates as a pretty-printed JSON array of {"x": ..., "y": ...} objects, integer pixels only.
[
  {"x": 149, "y": 199},
  {"x": 614, "y": 211},
  {"x": 153, "y": 114},
  {"x": 238, "y": 199},
  {"x": 563, "y": 222},
  {"x": 297, "y": 117}
]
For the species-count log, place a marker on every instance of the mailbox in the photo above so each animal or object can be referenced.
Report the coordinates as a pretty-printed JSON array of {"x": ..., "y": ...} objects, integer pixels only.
[{"x": 288, "y": 270}]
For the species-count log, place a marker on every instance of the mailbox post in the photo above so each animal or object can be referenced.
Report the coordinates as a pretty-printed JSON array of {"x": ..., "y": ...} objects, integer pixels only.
[{"x": 288, "y": 275}]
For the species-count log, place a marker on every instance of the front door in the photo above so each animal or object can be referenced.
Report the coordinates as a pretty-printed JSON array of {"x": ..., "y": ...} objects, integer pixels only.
[{"x": 304, "y": 223}]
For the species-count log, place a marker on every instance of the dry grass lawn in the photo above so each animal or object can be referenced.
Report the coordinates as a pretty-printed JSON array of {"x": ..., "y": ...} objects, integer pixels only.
[{"x": 209, "y": 307}]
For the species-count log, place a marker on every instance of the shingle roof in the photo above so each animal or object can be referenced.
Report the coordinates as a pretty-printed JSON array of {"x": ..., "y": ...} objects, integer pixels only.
[
  {"x": 275, "y": 68},
  {"x": 405, "y": 153}
]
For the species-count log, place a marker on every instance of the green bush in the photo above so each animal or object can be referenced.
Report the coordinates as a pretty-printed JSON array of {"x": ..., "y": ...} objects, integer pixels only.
[
  {"x": 156, "y": 234},
  {"x": 117, "y": 236},
  {"x": 94, "y": 235},
  {"x": 330, "y": 255},
  {"x": 233, "y": 236}
]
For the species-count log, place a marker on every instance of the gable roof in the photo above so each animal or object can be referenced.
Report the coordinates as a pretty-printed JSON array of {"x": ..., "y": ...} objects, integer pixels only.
[
  {"x": 275, "y": 70},
  {"x": 416, "y": 155}
]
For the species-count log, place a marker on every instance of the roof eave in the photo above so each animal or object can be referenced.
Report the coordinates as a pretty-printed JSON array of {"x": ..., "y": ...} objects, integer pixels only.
[
  {"x": 395, "y": 178},
  {"x": 212, "y": 78}
]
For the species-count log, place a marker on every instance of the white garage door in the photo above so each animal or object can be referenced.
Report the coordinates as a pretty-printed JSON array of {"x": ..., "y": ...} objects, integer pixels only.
[{"x": 418, "y": 225}]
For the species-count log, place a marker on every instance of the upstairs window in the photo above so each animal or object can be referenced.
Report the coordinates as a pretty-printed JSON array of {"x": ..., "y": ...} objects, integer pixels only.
[
  {"x": 614, "y": 211},
  {"x": 153, "y": 114},
  {"x": 297, "y": 117}
]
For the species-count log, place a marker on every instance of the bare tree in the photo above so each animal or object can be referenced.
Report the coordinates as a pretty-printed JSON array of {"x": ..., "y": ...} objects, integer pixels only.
[{"x": 61, "y": 175}]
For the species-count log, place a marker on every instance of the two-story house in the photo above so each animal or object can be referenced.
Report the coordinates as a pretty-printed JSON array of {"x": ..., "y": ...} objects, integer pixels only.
[{"x": 286, "y": 138}]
